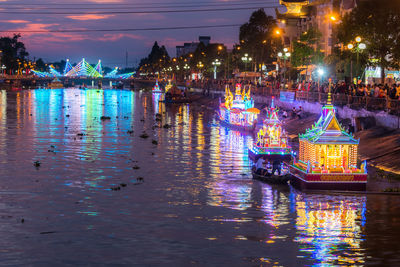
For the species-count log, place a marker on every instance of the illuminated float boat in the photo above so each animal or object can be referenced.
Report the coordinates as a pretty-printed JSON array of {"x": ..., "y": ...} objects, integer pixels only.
[
  {"x": 238, "y": 112},
  {"x": 272, "y": 140},
  {"x": 328, "y": 157},
  {"x": 168, "y": 86},
  {"x": 156, "y": 88}
]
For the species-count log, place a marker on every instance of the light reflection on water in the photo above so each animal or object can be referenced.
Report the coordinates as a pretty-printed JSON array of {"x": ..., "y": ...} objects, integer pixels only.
[{"x": 198, "y": 203}]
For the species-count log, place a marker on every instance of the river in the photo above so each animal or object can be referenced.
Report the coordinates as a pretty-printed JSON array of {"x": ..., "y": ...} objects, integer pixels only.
[{"x": 196, "y": 205}]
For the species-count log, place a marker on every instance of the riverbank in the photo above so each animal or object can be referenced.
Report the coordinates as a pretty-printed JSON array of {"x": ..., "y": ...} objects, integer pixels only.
[{"x": 378, "y": 145}]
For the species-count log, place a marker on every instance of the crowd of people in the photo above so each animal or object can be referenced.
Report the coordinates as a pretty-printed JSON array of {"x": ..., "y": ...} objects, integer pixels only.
[
  {"x": 370, "y": 90},
  {"x": 378, "y": 96},
  {"x": 376, "y": 90}
]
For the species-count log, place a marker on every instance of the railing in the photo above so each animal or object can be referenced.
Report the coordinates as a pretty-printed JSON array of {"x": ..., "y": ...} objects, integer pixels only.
[{"x": 392, "y": 106}]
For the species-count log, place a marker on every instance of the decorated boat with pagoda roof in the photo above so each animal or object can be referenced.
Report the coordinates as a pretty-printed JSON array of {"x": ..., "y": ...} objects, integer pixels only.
[
  {"x": 328, "y": 157},
  {"x": 156, "y": 88},
  {"x": 271, "y": 140},
  {"x": 239, "y": 111}
]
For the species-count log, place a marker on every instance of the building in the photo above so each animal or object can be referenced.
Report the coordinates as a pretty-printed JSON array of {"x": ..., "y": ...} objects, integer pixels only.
[
  {"x": 188, "y": 48},
  {"x": 302, "y": 15}
]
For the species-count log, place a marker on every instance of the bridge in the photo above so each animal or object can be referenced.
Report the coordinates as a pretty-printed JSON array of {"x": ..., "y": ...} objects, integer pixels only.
[
  {"x": 82, "y": 73},
  {"x": 82, "y": 70}
]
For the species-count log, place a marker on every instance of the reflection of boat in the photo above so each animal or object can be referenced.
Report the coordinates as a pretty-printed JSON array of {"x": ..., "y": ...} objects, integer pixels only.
[
  {"x": 156, "y": 88},
  {"x": 55, "y": 84},
  {"x": 328, "y": 156},
  {"x": 272, "y": 140},
  {"x": 239, "y": 112},
  {"x": 272, "y": 178},
  {"x": 329, "y": 228}
]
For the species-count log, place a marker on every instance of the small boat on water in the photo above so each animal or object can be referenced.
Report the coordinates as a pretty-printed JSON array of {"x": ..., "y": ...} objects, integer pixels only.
[
  {"x": 56, "y": 84},
  {"x": 271, "y": 140},
  {"x": 272, "y": 178},
  {"x": 238, "y": 112},
  {"x": 176, "y": 95},
  {"x": 177, "y": 100}
]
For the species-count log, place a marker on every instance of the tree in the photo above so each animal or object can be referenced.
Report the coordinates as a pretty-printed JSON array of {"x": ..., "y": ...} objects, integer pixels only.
[
  {"x": 257, "y": 37},
  {"x": 59, "y": 65},
  {"x": 40, "y": 65},
  {"x": 14, "y": 52},
  {"x": 378, "y": 24},
  {"x": 306, "y": 50},
  {"x": 156, "y": 60},
  {"x": 206, "y": 55}
]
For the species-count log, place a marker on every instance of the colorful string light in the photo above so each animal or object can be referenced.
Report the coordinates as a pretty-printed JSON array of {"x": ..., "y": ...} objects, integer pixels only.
[{"x": 238, "y": 111}]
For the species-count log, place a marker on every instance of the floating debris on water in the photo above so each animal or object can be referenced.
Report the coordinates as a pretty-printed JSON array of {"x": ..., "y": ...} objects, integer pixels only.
[{"x": 144, "y": 135}]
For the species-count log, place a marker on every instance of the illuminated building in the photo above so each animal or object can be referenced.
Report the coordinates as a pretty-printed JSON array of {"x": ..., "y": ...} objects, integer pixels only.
[
  {"x": 272, "y": 140},
  {"x": 239, "y": 111},
  {"x": 328, "y": 156}
]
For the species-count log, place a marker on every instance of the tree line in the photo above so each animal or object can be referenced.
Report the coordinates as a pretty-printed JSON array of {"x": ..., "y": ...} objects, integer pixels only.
[{"x": 378, "y": 23}]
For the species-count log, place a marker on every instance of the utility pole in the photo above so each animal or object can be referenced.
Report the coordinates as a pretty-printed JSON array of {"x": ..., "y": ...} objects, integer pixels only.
[{"x": 126, "y": 59}]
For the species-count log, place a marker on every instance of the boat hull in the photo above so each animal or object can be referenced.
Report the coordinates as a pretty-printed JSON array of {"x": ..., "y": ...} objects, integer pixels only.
[
  {"x": 273, "y": 179},
  {"x": 177, "y": 101},
  {"x": 237, "y": 127},
  {"x": 285, "y": 156},
  {"x": 334, "y": 181}
]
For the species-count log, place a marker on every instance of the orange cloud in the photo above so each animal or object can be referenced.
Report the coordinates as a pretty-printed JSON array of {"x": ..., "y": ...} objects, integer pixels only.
[
  {"x": 16, "y": 21},
  {"x": 118, "y": 36},
  {"x": 106, "y": 1},
  {"x": 89, "y": 17}
]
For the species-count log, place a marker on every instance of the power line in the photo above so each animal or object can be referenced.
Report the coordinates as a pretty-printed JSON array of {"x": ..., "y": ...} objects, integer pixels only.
[
  {"x": 125, "y": 30},
  {"x": 136, "y": 12},
  {"x": 118, "y": 6},
  {"x": 124, "y": 4}
]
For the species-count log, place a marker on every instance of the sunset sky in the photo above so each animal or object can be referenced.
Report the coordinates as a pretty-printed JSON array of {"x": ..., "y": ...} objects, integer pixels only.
[{"x": 111, "y": 47}]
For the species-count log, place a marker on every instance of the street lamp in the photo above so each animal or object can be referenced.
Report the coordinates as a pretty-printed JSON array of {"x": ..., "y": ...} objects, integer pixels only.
[
  {"x": 358, "y": 47},
  {"x": 321, "y": 73},
  {"x": 246, "y": 59},
  {"x": 216, "y": 63},
  {"x": 284, "y": 55},
  {"x": 186, "y": 67},
  {"x": 200, "y": 66}
]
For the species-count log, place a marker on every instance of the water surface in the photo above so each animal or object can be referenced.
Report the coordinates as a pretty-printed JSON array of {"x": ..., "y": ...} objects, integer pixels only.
[{"x": 197, "y": 204}]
